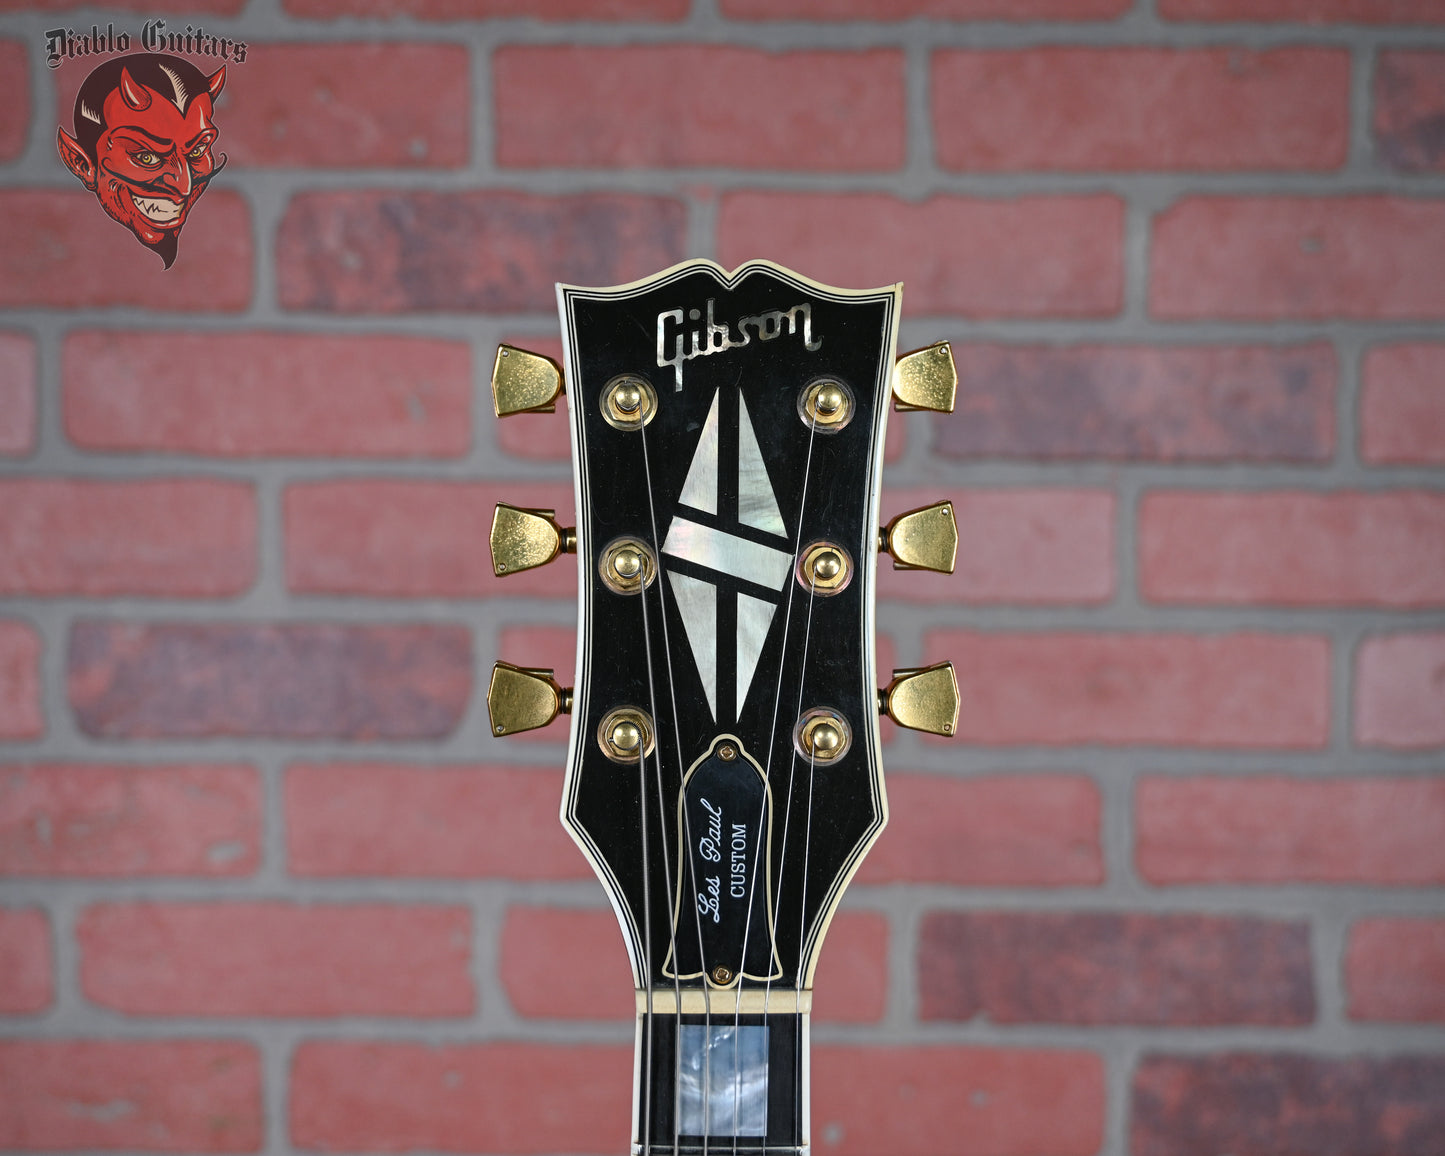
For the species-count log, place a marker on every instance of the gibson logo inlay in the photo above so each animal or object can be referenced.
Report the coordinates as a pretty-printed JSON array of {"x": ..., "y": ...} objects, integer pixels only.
[{"x": 714, "y": 338}]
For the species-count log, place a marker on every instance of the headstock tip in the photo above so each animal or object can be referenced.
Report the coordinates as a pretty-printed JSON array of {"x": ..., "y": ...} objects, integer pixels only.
[
  {"x": 923, "y": 699},
  {"x": 524, "y": 382},
  {"x": 926, "y": 379},
  {"x": 524, "y": 539},
  {"x": 523, "y": 699},
  {"x": 924, "y": 539}
]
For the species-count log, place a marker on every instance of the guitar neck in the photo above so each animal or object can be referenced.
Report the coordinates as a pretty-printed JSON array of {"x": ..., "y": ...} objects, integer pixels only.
[{"x": 721, "y": 1082}]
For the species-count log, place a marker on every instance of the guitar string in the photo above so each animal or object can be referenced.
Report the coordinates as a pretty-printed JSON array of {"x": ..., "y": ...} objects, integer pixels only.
[
  {"x": 783, "y": 852},
  {"x": 647, "y": 1053},
  {"x": 762, "y": 817},
  {"x": 684, "y": 858},
  {"x": 647, "y": 876}
]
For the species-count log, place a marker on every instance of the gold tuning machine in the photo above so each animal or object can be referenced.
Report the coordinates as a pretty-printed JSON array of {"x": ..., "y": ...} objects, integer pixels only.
[
  {"x": 925, "y": 539},
  {"x": 519, "y": 699},
  {"x": 523, "y": 539},
  {"x": 524, "y": 382},
  {"x": 925, "y": 379},
  {"x": 925, "y": 699}
]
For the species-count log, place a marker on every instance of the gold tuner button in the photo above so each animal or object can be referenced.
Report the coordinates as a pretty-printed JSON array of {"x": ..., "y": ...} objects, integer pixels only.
[
  {"x": 925, "y": 699},
  {"x": 925, "y": 539},
  {"x": 925, "y": 379},
  {"x": 522, "y": 539},
  {"x": 625, "y": 734},
  {"x": 524, "y": 382},
  {"x": 521, "y": 699}
]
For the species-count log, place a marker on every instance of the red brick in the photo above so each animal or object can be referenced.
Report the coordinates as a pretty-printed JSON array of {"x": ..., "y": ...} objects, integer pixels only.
[
  {"x": 1400, "y": 691},
  {"x": 350, "y": 105},
  {"x": 1027, "y": 257},
  {"x": 414, "y": 538},
  {"x": 21, "y": 715},
  {"x": 995, "y": 831},
  {"x": 1135, "y": 403},
  {"x": 935, "y": 9},
  {"x": 499, "y": 1097},
  {"x": 177, "y": 537},
  {"x": 1231, "y": 690},
  {"x": 108, "y": 820},
  {"x": 540, "y": 947},
  {"x": 1307, "y": 11},
  {"x": 499, "y": 252},
  {"x": 538, "y": 964},
  {"x": 63, "y": 252},
  {"x": 851, "y": 984},
  {"x": 18, "y": 382},
  {"x": 921, "y": 1101},
  {"x": 1049, "y": 546},
  {"x": 141, "y": 1095},
  {"x": 1293, "y": 548},
  {"x": 1251, "y": 1103},
  {"x": 1409, "y": 100},
  {"x": 1402, "y": 405},
  {"x": 26, "y": 968},
  {"x": 1395, "y": 969},
  {"x": 679, "y": 106},
  {"x": 274, "y": 680},
  {"x": 493, "y": 9},
  {"x": 276, "y": 959},
  {"x": 263, "y": 394},
  {"x": 216, "y": 7},
  {"x": 1266, "y": 258},
  {"x": 1277, "y": 829},
  {"x": 454, "y": 822},
  {"x": 1091, "y": 109},
  {"x": 1105, "y": 968},
  {"x": 14, "y": 99}
]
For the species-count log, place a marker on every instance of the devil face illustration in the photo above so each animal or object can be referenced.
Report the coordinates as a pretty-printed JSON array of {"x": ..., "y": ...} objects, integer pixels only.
[{"x": 142, "y": 143}]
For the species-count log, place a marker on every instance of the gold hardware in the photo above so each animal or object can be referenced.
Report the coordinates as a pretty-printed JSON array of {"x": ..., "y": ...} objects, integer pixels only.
[
  {"x": 626, "y": 735},
  {"x": 825, "y": 404},
  {"x": 523, "y": 539},
  {"x": 925, "y": 379},
  {"x": 721, "y": 976},
  {"x": 825, "y": 569},
  {"x": 923, "y": 699},
  {"x": 727, "y": 752},
  {"x": 522, "y": 699},
  {"x": 628, "y": 402},
  {"x": 822, "y": 736},
  {"x": 925, "y": 539},
  {"x": 524, "y": 382},
  {"x": 626, "y": 566}
]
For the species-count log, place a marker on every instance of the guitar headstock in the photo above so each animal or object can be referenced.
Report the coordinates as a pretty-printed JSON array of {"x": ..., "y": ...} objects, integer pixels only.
[{"x": 723, "y": 772}]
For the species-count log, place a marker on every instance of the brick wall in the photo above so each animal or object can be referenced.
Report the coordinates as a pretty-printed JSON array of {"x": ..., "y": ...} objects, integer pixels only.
[{"x": 1177, "y": 889}]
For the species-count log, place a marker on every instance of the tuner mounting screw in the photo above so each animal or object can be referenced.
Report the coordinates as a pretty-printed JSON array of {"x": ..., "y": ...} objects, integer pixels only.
[
  {"x": 825, "y": 405},
  {"x": 825, "y": 569},
  {"x": 626, "y": 566},
  {"x": 625, "y": 734},
  {"x": 628, "y": 402},
  {"x": 721, "y": 976},
  {"x": 822, "y": 736}
]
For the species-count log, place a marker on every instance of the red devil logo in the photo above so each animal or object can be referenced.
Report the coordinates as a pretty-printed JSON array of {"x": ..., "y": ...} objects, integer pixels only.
[{"x": 142, "y": 143}]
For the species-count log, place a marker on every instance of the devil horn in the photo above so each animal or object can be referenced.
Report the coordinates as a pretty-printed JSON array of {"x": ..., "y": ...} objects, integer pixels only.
[
  {"x": 216, "y": 81},
  {"x": 133, "y": 94}
]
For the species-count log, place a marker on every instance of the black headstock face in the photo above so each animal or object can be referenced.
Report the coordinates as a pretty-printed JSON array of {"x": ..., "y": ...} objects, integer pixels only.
[{"x": 728, "y": 434}]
